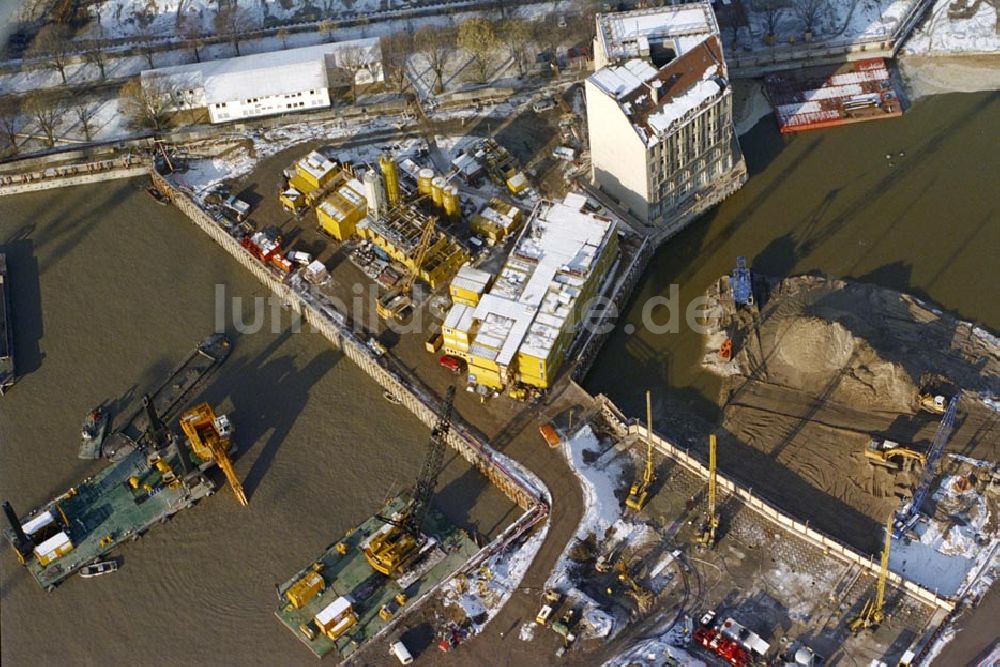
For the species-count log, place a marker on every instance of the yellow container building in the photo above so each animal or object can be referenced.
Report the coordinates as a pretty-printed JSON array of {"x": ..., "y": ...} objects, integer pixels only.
[{"x": 522, "y": 329}]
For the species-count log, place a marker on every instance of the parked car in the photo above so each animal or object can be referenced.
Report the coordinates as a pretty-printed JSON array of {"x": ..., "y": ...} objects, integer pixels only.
[{"x": 543, "y": 104}]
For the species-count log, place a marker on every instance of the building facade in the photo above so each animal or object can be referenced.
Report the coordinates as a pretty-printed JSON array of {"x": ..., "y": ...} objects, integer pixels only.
[
  {"x": 266, "y": 83},
  {"x": 660, "y": 118}
]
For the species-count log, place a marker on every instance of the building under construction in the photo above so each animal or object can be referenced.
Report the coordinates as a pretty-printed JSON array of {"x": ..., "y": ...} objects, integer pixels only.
[{"x": 371, "y": 204}]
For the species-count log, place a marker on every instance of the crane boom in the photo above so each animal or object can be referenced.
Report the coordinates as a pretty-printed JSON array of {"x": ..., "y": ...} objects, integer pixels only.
[
  {"x": 873, "y": 612},
  {"x": 639, "y": 492},
  {"x": 389, "y": 549},
  {"x": 424, "y": 488},
  {"x": 707, "y": 537},
  {"x": 927, "y": 476}
]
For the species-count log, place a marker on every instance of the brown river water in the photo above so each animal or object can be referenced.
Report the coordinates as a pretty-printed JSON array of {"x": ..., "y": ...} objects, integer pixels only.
[{"x": 111, "y": 291}]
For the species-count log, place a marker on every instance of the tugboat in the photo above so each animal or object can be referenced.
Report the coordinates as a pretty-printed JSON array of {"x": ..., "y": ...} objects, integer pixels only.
[
  {"x": 92, "y": 434},
  {"x": 97, "y": 568}
]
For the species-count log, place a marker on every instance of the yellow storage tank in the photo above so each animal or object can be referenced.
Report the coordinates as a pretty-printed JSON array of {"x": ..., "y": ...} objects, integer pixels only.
[
  {"x": 304, "y": 590},
  {"x": 424, "y": 178},
  {"x": 452, "y": 203},
  {"x": 437, "y": 191},
  {"x": 390, "y": 174}
]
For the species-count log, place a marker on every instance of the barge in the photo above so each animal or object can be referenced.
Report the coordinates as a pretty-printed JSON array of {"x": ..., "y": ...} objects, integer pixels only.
[
  {"x": 154, "y": 475},
  {"x": 339, "y": 602},
  {"x": 816, "y": 97},
  {"x": 7, "y": 375}
]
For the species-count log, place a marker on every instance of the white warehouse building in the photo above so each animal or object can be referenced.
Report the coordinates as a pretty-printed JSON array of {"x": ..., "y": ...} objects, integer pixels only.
[
  {"x": 263, "y": 84},
  {"x": 659, "y": 110}
]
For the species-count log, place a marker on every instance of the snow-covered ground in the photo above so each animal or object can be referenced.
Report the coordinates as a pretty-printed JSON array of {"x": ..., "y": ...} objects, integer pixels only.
[
  {"x": 203, "y": 174},
  {"x": 483, "y": 593},
  {"x": 950, "y": 559},
  {"x": 658, "y": 651},
  {"x": 939, "y": 34},
  {"x": 837, "y": 21}
]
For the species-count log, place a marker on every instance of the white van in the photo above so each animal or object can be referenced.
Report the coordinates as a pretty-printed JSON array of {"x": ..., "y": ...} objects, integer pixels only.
[{"x": 401, "y": 652}]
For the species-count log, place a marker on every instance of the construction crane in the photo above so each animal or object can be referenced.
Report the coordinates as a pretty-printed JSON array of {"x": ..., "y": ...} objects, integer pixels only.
[
  {"x": 873, "y": 613},
  {"x": 711, "y": 523},
  {"x": 638, "y": 494},
  {"x": 641, "y": 595},
  {"x": 887, "y": 452},
  {"x": 927, "y": 476},
  {"x": 396, "y": 301},
  {"x": 210, "y": 436},
  {"x": 390, "y": 548}
]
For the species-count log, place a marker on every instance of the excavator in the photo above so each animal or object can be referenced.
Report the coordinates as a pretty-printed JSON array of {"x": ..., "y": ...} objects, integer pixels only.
[
  {"x": 711, "y": 523},
  {"x": 625, "y": 568},
  {"x": 210, "y": 436},
  {"x": 395, "y": 302},
  {"x": 638, "y": 494},
  {"x": 873, "y": 612},
  {"x": 389, "y": 549},
  {"x": 891, "y": 455}
]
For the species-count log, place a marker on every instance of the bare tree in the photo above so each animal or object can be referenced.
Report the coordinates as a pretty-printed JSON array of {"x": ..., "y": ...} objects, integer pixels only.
[
  {"x": 233, "y": 22},
  {"x": 147, "y": 44},
  {"x": 96, "y": 56},
  {"x": 45, "y": 109},
  {"x": 147, "y": 104},
  {"x": 477, "y": 38},
  {"x": 548, "y": 34},
  {"x": 773, "y": 11},
  {"x": 437, "y": 45},
  {"x": 353, "y": 61},
  {"x": 10, "y": 122},
  {"x": 516, "y": 36},
  {"x": 396, "y": 50},
  {"x": 191, "y": 31},
  {"x": 283, "y": 36},
  {"x": 326, "y": 26},
  {"x": 85, "y": 112},
  {"x": 808, "y": 11},
  {"x": 53, "y": 44}
]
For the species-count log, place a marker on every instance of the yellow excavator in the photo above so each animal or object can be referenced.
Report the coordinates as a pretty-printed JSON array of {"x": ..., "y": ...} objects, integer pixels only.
[
  {"x": 891, "y": 455},
  {"x": 638, "y": 494},
  {"x": 707, "y": 536},
  {"x": 642, "y": 596},
  {"x": 873, "y": 613},
  {"x": 210, "y": 436},
  {"x": 389, "y": 549},
  {"x": 397, "y": 301}
]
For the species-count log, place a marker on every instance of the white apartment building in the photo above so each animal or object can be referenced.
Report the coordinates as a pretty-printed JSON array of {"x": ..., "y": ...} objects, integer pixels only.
[
  {"x": 267, "y": 83},
  {"x": 659, "y": 111}
]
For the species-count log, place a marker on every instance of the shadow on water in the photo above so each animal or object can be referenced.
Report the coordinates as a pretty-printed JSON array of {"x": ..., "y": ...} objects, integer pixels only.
[
  {"x": 269, "y": 415},
  {"x": 462, "y": 493},
  {"x": 26, "y": 301},
  {"x": 778, "y": 258}
]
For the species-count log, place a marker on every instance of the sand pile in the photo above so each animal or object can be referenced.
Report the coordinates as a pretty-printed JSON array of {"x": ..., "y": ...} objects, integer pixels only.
[{"x": 827, "y": 365}]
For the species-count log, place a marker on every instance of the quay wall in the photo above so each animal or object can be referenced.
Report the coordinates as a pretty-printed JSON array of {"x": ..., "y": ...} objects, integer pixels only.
[
  {"x": 505, "y": 474},
  {"x": 76, "y": 174},
  {"x": 829, "y": 545}
]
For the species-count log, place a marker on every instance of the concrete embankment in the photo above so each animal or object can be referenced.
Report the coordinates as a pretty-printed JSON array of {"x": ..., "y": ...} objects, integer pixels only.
[{"x": 76, "y": 174}]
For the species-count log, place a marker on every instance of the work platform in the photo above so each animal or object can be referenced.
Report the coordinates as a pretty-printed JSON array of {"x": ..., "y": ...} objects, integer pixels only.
[{"x": 349, "y": 575}]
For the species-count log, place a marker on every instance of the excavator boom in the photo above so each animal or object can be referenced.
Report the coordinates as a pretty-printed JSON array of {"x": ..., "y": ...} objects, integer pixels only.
[{"x": 209, "y": 436}]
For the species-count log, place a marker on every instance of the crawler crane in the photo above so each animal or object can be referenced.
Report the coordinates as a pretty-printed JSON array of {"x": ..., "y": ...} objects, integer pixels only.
[
  {"x": 389, "y": 549},
  {"x": 638, "y": 494},
  {"x": 210, "y": 437},
  {"x": 396, "y": 301},
  {"x": 711, "y": 523},
  {"x": 873, "y": 613}
]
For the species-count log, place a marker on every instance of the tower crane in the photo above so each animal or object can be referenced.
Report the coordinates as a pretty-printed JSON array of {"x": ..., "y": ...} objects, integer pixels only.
[
  {"x": 711, "y": 523},
  {"x": 873, "y": 613},
  {"x": 391, "y": 547},
  {"x": 638, "y": 494},
  {"x": 210, "y": 436},
  {"x": 395, "y": 302},
  {"x": 927, "y": 476}
]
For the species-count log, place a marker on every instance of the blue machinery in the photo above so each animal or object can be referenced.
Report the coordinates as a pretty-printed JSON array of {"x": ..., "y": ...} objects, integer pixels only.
[
  {"x": 739, "y": 282},
  {"x": 910, "y": 510}
]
